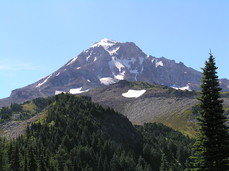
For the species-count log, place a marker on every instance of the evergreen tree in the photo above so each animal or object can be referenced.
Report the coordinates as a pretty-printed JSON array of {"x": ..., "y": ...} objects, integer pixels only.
[
  {"x": 212, "y": 143},
  {"x": 15, "y": 162},
  {"x": 164, "y": 163},
  {"x": 4, "y": 165}
]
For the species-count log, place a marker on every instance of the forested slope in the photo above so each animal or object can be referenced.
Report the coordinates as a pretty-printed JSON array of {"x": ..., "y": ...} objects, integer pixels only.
[{"x": 76, "y": 134}]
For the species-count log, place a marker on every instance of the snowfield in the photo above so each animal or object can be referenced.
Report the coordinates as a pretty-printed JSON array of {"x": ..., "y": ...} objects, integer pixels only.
[
  {"x": 183, "y": 88},
  {"x": 59, "y": 92},
  {"x": 133, "y": 93},
  {"x": 107, "y": 80},
  {"x": 77, "y": 91}
]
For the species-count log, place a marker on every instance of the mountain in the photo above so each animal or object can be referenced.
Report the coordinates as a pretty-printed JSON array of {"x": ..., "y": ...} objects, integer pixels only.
[
  {"x": 107, "y": 62},
  {"x": 140, "y": 102}
]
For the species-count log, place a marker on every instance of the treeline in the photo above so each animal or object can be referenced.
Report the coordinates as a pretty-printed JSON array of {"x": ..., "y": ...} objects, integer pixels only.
[{"x": 71, "y": 137}]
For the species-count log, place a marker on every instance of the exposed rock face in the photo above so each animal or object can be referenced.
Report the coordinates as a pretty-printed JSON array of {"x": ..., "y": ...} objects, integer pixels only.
[{"x": 107, "y": 62}]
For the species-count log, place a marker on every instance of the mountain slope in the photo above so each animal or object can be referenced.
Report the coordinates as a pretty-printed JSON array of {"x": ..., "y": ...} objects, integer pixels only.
[
  {"x": 76, "y": 134},
  {"x": 107, "y": 62},
  {"x": 174, "y": 108}
]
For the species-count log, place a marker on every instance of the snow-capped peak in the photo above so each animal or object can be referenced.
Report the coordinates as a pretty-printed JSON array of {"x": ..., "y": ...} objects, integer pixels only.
[{"x": 106, "y": 43}]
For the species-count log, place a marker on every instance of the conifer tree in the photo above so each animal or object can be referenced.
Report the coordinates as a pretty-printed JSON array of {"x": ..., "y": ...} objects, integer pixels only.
[
  {"x": 4, "y": 164},
  {"x": 211, "y": 147}
]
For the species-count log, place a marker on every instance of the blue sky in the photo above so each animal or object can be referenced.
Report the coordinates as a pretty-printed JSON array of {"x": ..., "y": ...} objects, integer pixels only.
[{"x": 38, "y": 37}]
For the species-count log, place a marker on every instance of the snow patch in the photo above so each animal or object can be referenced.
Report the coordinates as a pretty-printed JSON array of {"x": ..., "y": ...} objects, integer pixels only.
[
  {"x": 133, "y": 93},
  {"x": 77, "y": 91},
  {"x": 182, "y": 88},
  {"x": 78, "y": 67},
  {"x": 106, "y": 43},
  {"x": 152, "y": 60},
  {"x": 58, "y": 74},
  {"x": 157, "y": 63},
  {"x": 46, "y": 79},
  {"x": 73, "y": 60},
  {"x": 115, "y": 63},
  {"x": 120, "y": 76},
  {"x": 88, "y": 57},
  {"x": 88, "y": 81},
  {"x": 107, "y": 80},
  {"x": 160, "y": 63},
  {"x": 59, "y": 92},
  {"x": 119, "y": 65},
  {"x": 114, "y": 51}
]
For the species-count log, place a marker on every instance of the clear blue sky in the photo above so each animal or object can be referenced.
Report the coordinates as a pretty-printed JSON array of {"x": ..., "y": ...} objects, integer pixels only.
[{"x": 38, "y": 37}]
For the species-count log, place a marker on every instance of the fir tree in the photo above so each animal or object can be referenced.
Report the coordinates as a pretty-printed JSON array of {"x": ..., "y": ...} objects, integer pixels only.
[
  {"x": 211, "y": 147},
  {"x": 4, "y": 165},
  {"x": 164, "y": 163}
]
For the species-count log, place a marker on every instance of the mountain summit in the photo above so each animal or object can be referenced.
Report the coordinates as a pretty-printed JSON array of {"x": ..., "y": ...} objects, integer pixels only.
[{"x": 107, "y": 62}]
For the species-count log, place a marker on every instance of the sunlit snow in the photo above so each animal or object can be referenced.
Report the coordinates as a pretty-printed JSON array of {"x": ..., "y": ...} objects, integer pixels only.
[
  {"x": 183, "y": 88},
  {"x": 160, "y": 63},
  {"x": 120, "y": 76},
  {"x": 115, "y": 63},
  {"x": 114, "y": 51},
  {"x": 77, "y": 91},
  {"x": 58, "y": 74},
  {"x": 73, "y": 60},
  {"x": 106, "y": 43},
  {"x": 40, "y": 84},
  {"x": 107, "y": 80},
  {"x": 133, "y": 93},
  {"x": 157, "y": 63},
  {"x": 87, "y": 58},
  {"x": 59, "y": 92}
]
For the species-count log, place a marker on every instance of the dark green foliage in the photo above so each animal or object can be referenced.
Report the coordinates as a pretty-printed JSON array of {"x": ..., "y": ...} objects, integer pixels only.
[
  {"x": 76, "y": 135},
  {"x": 212, "y": 143},
  {"x": 4, "y": 164},
  {"x": 5, "y": 114},
  {"x": 165, "y": 147},
  {"x": 16, "y": 111},
  {"x": 41, "y": 103}
]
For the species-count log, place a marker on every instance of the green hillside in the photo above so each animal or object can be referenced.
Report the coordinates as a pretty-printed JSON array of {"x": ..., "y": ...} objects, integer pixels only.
[{"x": 76, "y": 134}]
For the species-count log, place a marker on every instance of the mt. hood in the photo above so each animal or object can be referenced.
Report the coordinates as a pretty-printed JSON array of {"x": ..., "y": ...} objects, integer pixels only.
[{"x": 107, "y": 62}]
